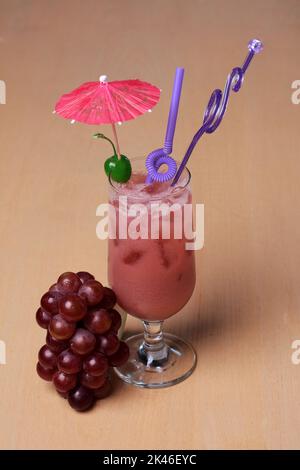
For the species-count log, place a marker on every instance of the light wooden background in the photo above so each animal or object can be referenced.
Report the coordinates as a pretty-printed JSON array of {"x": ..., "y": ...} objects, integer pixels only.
[{"x": 246, "y": 309}]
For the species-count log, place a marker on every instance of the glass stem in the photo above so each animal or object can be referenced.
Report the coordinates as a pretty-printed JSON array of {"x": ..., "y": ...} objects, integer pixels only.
[{"x": 153, "y": 351}]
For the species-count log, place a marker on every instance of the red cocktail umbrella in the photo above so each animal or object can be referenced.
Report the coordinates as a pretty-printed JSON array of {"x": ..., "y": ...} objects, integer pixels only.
[{"x": 105, "y": 102}]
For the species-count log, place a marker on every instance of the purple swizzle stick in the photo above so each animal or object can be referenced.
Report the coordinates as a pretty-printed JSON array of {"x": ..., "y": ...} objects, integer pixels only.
[{"x": 218, "y": 102}]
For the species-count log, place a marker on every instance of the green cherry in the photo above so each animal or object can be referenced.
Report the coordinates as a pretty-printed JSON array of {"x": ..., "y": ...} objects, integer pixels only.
[{"x": 119, "y": 169}]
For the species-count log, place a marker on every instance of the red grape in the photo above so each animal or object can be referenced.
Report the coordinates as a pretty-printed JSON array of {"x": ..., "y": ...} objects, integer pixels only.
[
  {"x": 92, "y": 381},
  {"x": 60, "y": 328},
  {"x": 91, "y": 291},
  {"x": 72, "y": 307},
  {"x": 84, "y": 276},
  {"x": 43, "y": 318},
  {"x": 47, "y": 358},
  {"x": 44, "y": 373},
  {"x": 68, "y": 283},
  {"x": 54, "y": 288},
  {"x": 116, "y": 320},
  {"x": 109, "y": 298},
  {"x": 98, "y": 321},
  {"x": 95, "y": 364},
  {"x": 55, "y": 345},
  {"x": 108, "y": 344},
  {"x": 81, "y": 398},
  {"x": 49, "y": 302},
  {"x": 68, "y": 362},
  {"x": 64, "y": 382},
  {"x": 120, "y": 357},
  {"x": 103, "y": 391},
  {"x": 83, "y": 341}
]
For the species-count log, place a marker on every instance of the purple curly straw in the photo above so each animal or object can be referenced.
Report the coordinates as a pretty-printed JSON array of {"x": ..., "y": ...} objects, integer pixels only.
[
  {"x": 162, "y": 156},
  {"x": 154, "y": 161},
  {"x": 217, "y": 103}
]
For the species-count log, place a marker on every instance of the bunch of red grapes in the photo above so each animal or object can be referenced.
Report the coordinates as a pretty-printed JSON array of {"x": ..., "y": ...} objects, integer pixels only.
[{"x": 82, "y": 338}]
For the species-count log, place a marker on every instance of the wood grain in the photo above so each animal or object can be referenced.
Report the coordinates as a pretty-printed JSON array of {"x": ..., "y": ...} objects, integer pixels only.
[{"x": 245, "y": 312}]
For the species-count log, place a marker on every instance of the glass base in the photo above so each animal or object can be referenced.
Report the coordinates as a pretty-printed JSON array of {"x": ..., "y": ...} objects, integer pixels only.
[{"x": 177, "y": 366}]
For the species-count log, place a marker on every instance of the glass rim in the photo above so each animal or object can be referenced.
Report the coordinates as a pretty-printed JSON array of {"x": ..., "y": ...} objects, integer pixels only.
[{"x": 117, "y": 186}]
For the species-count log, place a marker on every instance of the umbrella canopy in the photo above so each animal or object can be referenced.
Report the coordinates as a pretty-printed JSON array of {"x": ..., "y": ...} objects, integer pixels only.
[{"x": 105, "y": 102}]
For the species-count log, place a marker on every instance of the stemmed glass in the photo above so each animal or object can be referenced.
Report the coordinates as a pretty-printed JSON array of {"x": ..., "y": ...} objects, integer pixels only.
[{"x": 152, "y": 273}]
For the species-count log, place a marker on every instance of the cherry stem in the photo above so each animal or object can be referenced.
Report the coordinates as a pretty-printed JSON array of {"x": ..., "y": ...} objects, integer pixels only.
[
  {"x": 116, "y": 139},
  {"x": 102, "y": 136}
]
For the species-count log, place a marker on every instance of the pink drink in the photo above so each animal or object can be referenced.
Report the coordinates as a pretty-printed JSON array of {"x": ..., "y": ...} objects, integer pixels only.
[{"x": 152, "y": 278}]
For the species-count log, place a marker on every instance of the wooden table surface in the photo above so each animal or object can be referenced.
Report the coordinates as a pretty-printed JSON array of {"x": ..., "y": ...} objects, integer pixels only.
[{"x": 245, "y": 312}]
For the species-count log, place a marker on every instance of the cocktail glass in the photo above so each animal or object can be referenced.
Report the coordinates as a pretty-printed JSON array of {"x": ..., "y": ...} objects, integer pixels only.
[{"x": 153, "y": 276}]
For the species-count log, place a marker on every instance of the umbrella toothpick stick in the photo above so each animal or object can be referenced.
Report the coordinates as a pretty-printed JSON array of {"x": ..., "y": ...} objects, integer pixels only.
[
  {"x": 103, "y": 102},
  {"x": 116, "y": 140}
]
